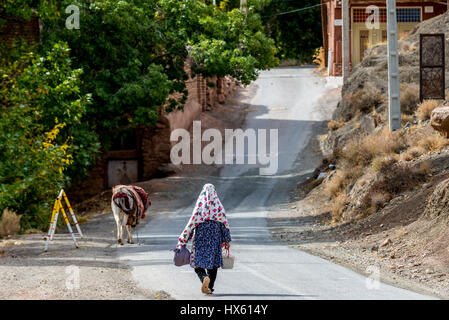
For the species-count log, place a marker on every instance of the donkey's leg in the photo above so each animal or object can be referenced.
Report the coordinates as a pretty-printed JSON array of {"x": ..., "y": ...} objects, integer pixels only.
[
  {"x": 116, "y": 212},
  {"x": 130, "y": 236},
  {"x": 123, "y": 224}
]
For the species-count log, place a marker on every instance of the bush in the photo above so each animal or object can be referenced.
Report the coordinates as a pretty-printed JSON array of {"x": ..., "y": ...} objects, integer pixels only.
[
  {"x": 9, "y": 223},
  {"x": 341, "y": 179},
  {"x": 338, "y": 207},
  {"x": 409, "y": 98},
  {"x": 381, "y": 162},
  {"x": 361, "y": 151},
  {"x": 43, "y": 109},
  {"x": 365, "y": 100},
  {"x": 432, "y": 142},
  {"x": 425, "y": 109},
  {"x": 412, "y": 153}
]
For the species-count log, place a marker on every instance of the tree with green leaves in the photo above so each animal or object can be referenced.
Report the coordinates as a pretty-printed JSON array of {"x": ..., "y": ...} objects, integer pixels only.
[
  {"x": 76, "y": 91},
  {"x": 296, "y": 34},
  {"x": 41, "y": 130}
]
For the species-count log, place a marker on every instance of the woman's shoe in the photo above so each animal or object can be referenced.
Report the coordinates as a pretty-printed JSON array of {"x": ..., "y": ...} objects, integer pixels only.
[{"x": 205, "y": 287}]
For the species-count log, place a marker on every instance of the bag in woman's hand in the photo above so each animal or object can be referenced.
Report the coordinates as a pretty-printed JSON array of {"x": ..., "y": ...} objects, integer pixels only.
[
  {"x": 228, "y": 260},
  {"x": 182, "y": 256}
]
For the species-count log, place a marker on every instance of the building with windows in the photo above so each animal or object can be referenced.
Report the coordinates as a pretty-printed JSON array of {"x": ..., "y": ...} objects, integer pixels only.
[{"x": 363, "y": 33}]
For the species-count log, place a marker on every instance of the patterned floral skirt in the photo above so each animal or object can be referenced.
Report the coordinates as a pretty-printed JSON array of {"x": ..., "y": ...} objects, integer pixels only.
[{"x": 207, "y": 242}]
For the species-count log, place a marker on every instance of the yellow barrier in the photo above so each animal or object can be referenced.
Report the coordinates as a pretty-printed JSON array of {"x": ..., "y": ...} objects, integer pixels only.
[{"x": 54, "y": 219}]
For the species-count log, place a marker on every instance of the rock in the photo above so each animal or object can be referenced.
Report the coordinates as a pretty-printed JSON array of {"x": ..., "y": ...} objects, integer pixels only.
[
  {"x": 382, "y": 225},
  {"x": 375, "y": 248},
  {"x": 331, "y": 174},
  {"x": 322, "y": 175},
  {"x": 437, "y": 203},
  {"x": 386, "y": 242},
  {"x": 338, "y": 138},
  {"x": 439, "y": 119},
  {"x": 406, "y": 126}
]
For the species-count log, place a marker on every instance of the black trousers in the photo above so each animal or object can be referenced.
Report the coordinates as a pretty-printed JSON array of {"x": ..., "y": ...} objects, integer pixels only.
[{"x": 211, "y": 273}]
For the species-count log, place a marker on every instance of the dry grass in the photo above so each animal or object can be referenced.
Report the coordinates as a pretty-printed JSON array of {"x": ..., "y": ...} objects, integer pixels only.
[
  {"x": 432, "y": 142},
  {"x": 9, "y": 223},
  {"x": 409, "y": 98},
  {"x": 425, "y": 109},
  {"x": 338, "y": 207},
  {"x": 364, "y": 100},
  {"x": 406, "y": 118},
  {"x": 360, "y": 152},
  {"x": 379, "y": 149},
  {"x": 334, "y": 125},
  {"x": 340, "y": 180},
  {"x": 412, "y": 153},
  {"x": 380, "y": 162}
]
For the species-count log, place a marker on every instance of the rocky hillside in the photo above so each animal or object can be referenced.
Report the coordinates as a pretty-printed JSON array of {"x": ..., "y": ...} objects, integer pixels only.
[
  {"x": 367, "y": 85},
  {"x": 381, "y": 195}
]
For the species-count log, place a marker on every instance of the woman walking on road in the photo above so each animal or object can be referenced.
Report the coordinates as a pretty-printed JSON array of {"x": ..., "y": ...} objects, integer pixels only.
[{"x": 210, "y": 231}]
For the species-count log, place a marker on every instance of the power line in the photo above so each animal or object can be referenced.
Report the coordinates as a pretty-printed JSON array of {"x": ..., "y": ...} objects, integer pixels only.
[{"x": 296, "y": 10}]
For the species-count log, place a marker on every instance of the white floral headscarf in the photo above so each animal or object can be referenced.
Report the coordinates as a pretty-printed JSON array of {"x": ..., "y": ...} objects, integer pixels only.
[{"x": 208, "y": 207}]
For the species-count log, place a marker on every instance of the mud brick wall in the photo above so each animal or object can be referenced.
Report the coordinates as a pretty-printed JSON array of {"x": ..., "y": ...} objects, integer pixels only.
[
  {"x": 155, "y": 148},
  {"x": 15, "y": 28}
]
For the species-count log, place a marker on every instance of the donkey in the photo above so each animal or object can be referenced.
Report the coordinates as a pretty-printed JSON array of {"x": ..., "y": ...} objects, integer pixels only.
[{"x": 129, "y": 204}]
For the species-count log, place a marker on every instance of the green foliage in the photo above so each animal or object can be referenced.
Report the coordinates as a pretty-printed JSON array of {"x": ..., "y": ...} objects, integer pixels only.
[
  {"x": 41, "y": 108},
  {"x": 296, "y": 34},
  {"x": 222, "y": 42},
  {"x": 117, "y": 45},
  {"x": 71, "y": 96}
]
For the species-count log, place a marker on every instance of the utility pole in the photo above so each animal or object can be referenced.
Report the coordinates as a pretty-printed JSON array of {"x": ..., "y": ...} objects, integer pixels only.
[
  {"x": 345, "y": 38},
  {"x": 394, "y": 101}
]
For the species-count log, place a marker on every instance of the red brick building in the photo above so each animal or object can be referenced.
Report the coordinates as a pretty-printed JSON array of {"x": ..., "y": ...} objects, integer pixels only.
[{"x": 409, "y": 13}]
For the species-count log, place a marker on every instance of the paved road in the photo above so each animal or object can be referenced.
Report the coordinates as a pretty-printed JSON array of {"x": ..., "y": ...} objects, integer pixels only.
[{"x": 287, "y": 99}]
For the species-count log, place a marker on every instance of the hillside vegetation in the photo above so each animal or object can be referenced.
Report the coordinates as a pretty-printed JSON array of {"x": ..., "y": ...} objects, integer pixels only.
[{"x": 385, "y": 193}]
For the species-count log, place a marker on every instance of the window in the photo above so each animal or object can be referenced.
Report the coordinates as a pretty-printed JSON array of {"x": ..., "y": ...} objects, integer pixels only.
[
  {"x": 409, "y": 15},
  {"x": 403, "y": 15},
  {"x": 360, "y": 15}
]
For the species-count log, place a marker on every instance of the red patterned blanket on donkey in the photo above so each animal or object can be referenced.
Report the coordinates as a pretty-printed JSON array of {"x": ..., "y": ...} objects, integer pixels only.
[{"x": 132, "y": 194}]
